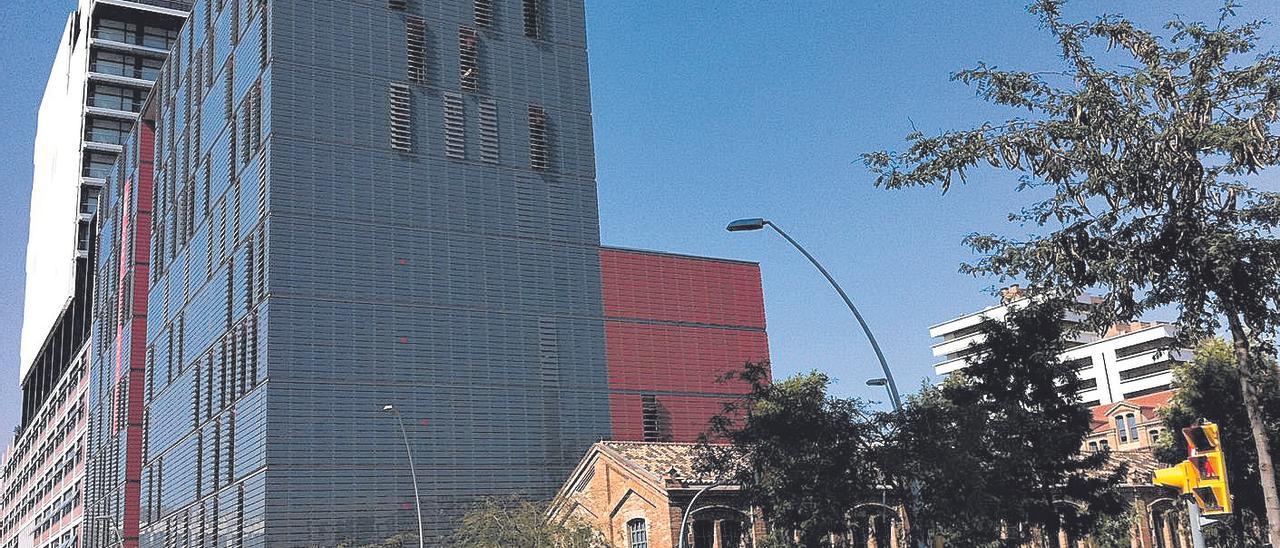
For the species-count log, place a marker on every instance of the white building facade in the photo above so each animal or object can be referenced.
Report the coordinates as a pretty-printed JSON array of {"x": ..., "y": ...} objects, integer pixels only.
[
  {"x": 107, "y": 60},
  {"x": 1128, "y": 361}
]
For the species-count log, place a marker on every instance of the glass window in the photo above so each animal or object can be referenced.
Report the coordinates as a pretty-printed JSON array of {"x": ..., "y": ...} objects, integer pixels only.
[
  {"x": 149, "y": 69},
  {"x": 1104, "y": 445},
  {"x": 98, "y": 164},
  {"x": 116, "y": 31},
  {"x": 116, "y": 97},
  {"x": 156, "y": 37},
  {"x": 1120, "y": 429},
  {"x": 638, "y": 533},
  {"x": 704, "y": 534},
  {"x": 102, "y": 130},
  {"x": 1132, "y": 422},
  {"x": 1093, "y": 446},
  {"x": 107, "y": 62},
  {"x": 1155, "y": 435}
]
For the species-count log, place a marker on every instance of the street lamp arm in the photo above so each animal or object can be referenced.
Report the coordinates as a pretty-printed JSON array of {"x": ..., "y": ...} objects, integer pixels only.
[
  {"x": 684, "y": 521},
  {"x": 413, "y": 473},
  {"x": 884, "y": 364}
]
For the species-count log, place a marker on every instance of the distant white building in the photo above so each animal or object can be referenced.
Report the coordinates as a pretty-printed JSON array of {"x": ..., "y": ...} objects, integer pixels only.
[{"x": 1128, "y": 361}]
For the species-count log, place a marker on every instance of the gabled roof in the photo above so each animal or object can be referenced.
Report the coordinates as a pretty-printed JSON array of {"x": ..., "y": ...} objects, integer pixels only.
[
  {"x": 1148, "y": 407},
  {"x": 660, "y": 459},
  {"x": 649, "y": 462}
]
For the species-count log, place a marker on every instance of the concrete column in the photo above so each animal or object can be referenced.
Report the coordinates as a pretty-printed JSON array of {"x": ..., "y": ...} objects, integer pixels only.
[
  {"x": 1063, "y": 540},
  {"x": 894, "y": 531},
  {"x": 872, "y": 542}
]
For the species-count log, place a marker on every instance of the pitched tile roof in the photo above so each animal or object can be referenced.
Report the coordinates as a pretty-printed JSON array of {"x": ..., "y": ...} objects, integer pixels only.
[{"x": 660, "y": 458}]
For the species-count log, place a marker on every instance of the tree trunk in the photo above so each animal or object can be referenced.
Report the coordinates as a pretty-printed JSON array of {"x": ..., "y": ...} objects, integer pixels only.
[{"x": 1261, "y": 441}]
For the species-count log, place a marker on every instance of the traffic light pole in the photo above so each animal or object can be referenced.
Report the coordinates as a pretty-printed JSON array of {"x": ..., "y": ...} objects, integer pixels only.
[{"x": 1197, "y": 531}]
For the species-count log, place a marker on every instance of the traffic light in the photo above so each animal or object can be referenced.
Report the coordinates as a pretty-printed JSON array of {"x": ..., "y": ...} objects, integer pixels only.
[{"x": 1204, "y": 474}]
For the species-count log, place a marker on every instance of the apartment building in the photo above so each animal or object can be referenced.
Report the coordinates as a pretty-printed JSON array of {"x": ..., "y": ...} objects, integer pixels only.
[
  {"x": 1127, "y": 361},
  {"x": 109, "y": 54}
]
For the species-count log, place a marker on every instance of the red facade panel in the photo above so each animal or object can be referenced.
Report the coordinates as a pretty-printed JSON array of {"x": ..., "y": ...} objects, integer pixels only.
[
  {"x": 671, "y": 358},
  {"x": 681, "y": 418},
  {"x": 674, "y": 326},
  {"x": 652, "y": 286}
]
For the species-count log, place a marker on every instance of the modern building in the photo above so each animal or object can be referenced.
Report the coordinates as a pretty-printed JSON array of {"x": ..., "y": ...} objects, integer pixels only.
[
  {"x": 363, "y": 203},
  {"x": 108, "y": 56},
  {"x": 1127, "y": 361},
  {"x": 674, "y": 326},
  {"x": 117, "y": 375}
]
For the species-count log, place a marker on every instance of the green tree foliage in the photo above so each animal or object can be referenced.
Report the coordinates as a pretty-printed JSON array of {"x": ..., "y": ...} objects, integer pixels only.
[
  {"x": 402, "y": 540},
  {"x": 1208, "y": 388},
  {"x": 1147, "y": 147},
  {"x": 507, "y": 522},
  {"x": 996, "y": 448},
  {"x": 802, "y": 456},
  {"x": 997, "y": 445}
]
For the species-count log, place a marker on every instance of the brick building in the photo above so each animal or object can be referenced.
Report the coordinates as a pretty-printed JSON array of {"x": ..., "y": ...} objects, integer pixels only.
[{"x": 637, "y": 494}]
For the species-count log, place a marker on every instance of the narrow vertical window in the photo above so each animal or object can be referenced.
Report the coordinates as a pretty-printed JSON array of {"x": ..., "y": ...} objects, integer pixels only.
[
  {"x": 532, "y": 26},
  {"x": 489, "y": 151},
  {"x": 539, "y": 145},
  {"x": 649, "y": 418},
  {"x": 415, "y": 30},
  {"x": 262, "y": 38},
  {"x": 1132, "y": 423},
  {"x": 1121, "y": 431},
  {"x": 638, "y": 533},
  {"x": 484, "y": 13},
  {"x": 455, "y": 129},
  {"x": 469, "y": 59},
  {"x": 401, "y": 118}
]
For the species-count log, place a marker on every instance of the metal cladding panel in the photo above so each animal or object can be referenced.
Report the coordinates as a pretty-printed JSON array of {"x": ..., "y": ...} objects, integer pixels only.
[
  {"x": 669, "y": 358},
  {"x": 674, "y": 288},
  {"x": 462, "y": 288},
  {"x": 680, "y": 418},
  {"x": 674, "y": 326}
]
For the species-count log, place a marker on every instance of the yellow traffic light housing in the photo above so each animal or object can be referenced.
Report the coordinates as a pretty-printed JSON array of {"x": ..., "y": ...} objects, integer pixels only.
[{"x": 1203, "y": 476}]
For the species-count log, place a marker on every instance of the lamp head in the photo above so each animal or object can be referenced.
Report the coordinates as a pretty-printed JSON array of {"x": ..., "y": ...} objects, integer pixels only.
[
  {"x": 746, "y": 225},
  {"x": 389, "y": 408},
  {"x": 880, "y": 381}
]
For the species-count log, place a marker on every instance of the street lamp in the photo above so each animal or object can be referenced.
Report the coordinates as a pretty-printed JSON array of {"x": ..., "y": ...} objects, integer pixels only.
[
  {"x": 417, "y": 499},
  {"x": 745, "y": 225},
  {"x": 684, "y": 521},
  {"x": 748, "y": 225}
]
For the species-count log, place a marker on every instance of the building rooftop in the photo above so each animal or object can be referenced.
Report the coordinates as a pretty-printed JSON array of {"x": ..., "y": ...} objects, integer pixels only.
[
  {"x": 1148, "y": 406},
  {"x": 660, "y": 458}
]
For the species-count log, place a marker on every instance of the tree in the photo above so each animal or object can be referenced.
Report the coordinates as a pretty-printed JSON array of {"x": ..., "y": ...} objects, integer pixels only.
[
  {"x": 996, "y": 448},
  {"x": 1208, "y": 388},
  {"x": 1147, "y": 163},
  {"x": 506, "y": 522},
  {"x": 401, "y": 540},
  {"x": 802, "y": 456}
]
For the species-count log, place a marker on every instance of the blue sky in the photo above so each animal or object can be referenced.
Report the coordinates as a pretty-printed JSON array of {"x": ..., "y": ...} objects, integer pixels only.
[{"x": 713, "y": 110}]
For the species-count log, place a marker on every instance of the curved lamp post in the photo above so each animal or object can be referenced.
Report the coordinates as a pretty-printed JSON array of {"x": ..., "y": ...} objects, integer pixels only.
[
  {"x": 744, "y": 225},
  {"x": 417, "y": 500},
  {"x": 684, "y": 521},
  {"x": 747, "y": 225}
]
